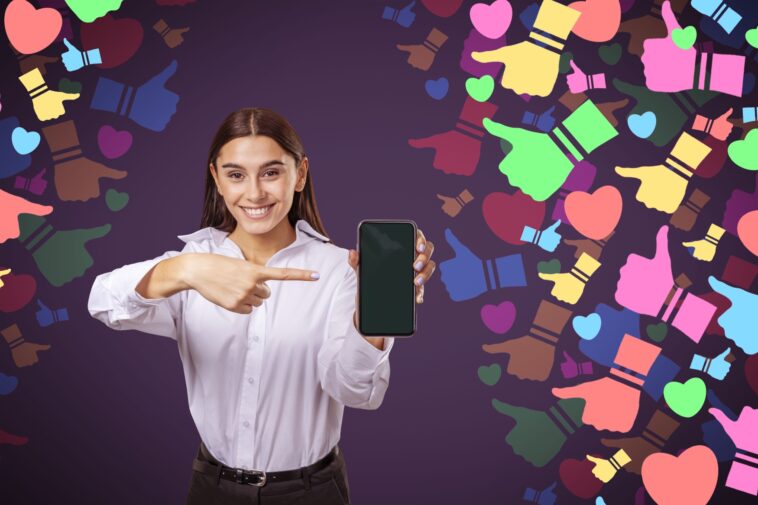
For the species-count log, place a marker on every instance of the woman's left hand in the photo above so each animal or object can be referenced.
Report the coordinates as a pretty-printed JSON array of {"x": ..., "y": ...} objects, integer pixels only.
[{"x": 422, "y": 263}]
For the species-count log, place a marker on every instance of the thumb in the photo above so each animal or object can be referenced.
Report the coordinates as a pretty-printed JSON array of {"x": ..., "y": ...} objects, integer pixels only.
[
  {"x": 497, "y": 55},
  {"x": 87, "y": 234},
  {"x": 455, "y": 244},
  {"x": 165, "y": 74},
  {"x": 553, "y": 226},
  {"x": 612, "y": 443},
  {"x": 570, "y": 392},
  {"x": 567, "y": 356},
  {"x": 576, "y": 69},
  {"x": 662, "y": 244},
  {"x": 40, "y": 174},
  {"x": 594, "y": 459},
  {"x": 669, "y": 18},
  {"x": 42, "y": 305},
  {"x": 549, "y": 111},
  {"x": 550, "y": 488},
  {"x": 443, "y": 197},
  {"x": 69, "y": 45},
  {"x": 723, "y": 420},
  {"x": 726, "y": 114},
  {"x": 724, "y": 354},
  {"x": 513, "y": 411},
  {"x": 409, "y": 6},
  {"x": 723, "y": 288}
]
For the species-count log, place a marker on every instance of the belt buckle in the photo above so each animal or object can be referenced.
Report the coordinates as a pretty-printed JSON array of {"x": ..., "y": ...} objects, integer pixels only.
[{"x": 242, "y": 477}]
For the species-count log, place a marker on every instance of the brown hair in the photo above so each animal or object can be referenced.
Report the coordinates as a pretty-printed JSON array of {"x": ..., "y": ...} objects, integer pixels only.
[{"x": 257, "y": 121}]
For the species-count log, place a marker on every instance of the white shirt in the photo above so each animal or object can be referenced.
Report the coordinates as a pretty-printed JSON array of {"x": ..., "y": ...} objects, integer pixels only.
[{"x": 266, "y": 390}]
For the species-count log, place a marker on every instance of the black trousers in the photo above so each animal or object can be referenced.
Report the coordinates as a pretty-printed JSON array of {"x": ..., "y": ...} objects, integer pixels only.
[{"x": 327, "y": 486}]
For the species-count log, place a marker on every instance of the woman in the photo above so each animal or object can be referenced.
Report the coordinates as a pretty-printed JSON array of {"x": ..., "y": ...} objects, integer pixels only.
[{"x": 263, "y": 308}]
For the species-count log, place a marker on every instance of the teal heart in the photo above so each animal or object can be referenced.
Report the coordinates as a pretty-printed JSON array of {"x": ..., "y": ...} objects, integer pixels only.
[
  {"x": 685, "y": 399},
  {"x": 115, "y": 200},
  {"x": 752, "y": 37},
  {"x": 642, "y": 125},
  {"x": 610, "y": 54},
  {"x": 480, "y": 89},
  {"x": 69, "y": 86},
  {"x": 684, "y": 38},
  {"x": 23, "y": 141},
  {"x": 564, "y": 66},
  {"x": 587, "y": 327},
  {"x": 489, "y": 374},
  {"x": 549, "y": 267},
  {"x": 657, "y": 332},
  {"x": 744, "y": 153}
]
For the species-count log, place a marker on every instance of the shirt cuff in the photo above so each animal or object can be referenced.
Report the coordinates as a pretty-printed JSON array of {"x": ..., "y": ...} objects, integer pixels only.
[
  {"x": 360, "y": 354},
  {"x": 129, "y": 277}
]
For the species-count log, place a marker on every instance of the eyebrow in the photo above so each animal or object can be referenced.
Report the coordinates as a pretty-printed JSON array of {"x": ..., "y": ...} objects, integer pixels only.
[{"x": 265, "y": 165}]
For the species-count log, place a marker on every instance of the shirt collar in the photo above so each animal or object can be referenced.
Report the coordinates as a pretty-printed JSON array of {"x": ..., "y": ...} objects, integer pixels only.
[{"x": 303, "y": 232}]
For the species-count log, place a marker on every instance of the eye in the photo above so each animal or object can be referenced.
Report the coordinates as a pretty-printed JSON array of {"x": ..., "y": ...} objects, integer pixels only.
[
  {"x": 233, "y": 174},
  {"x": 274, "y": 172}
]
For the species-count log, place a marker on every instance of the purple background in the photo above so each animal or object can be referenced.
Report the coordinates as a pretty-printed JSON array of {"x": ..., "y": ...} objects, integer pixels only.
[{"x": 106, "y": 412}]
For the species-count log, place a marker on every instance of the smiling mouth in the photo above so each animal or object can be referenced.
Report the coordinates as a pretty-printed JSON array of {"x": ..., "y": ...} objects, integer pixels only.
[{"x": 257, "y": 212}]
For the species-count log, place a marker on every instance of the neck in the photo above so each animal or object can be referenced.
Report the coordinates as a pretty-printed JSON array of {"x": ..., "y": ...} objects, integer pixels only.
[{"x": 258, "y": 248}]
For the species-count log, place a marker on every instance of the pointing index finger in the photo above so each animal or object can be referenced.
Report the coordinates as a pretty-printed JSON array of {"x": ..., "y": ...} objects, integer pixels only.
[{"x": 288, "y": 274}]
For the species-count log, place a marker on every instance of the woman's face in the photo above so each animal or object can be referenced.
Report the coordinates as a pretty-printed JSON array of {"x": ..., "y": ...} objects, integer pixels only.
[{"x": 257, "y": 180}]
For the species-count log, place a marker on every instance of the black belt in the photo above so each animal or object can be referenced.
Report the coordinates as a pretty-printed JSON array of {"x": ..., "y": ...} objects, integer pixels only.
[{"x": 257, "y": 477}]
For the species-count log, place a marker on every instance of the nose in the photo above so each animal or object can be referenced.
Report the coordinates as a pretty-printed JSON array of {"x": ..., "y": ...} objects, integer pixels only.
[{"x": 255, "y": 192}]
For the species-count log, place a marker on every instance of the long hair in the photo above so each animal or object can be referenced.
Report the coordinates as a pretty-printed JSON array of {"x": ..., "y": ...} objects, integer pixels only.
[{"x": 257, "y": 121}]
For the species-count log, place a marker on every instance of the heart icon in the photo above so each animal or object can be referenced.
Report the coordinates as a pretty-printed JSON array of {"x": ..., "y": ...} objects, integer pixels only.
[
  {"x": 657, "y": 332},
  {"x": 576, "y": 476},
  {"x": 499, "y": 318},
  {"x": 610, "y": 54},
  {"x": 685, "y": 399},
  {"x": 480, "y": 89},
  {"x": 587, "y": 327},
  {"x": 117, "y": 39},
  {"x": 743, "y": 152},
  {"x": 437, "y": 88},
  {"x": 751, "y": 36},
  {"x": 642, "y": 125},
  {"x": 506, "y": 215},
  {"x": 113, "y": 144},
  {"x": 493, "y": 20},
  {"x": 594, "y": 215},
  {"x": 684, "y": 38},
  {"x": 31, "y": 30},
  {"x": 688, "y": 478},
  {"x": 747, "y": 230},
  {"x": 24, "y": 142},
  {"x": 7, "y": 384},
  {"x": 68, "y": 86},
  {"x": 489, "y": 374},
  {"x": 549, "y": 267},
  {"x": 116, "y": 200}
]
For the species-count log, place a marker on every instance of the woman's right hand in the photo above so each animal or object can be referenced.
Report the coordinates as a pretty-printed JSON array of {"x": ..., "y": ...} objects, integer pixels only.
[{"x": 232, "y": 283}]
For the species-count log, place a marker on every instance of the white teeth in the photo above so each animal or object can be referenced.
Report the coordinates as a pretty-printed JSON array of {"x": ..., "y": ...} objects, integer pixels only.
[{"x": 257, "y": 212}]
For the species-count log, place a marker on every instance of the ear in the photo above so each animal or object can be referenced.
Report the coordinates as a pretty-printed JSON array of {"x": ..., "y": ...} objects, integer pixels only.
[
  {"x": 302, "y": 174},
  {"x": 215, "y": 178}
]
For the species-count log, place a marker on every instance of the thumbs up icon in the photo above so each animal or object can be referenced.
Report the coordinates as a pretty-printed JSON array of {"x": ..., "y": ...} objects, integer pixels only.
[{"x": 74, "y": 59}]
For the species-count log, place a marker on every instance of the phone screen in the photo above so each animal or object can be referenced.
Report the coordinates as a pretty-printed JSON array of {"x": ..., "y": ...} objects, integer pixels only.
[{"x": 385, "y": 278}]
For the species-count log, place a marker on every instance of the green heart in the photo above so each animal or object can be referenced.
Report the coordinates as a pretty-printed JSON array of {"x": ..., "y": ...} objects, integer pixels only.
[
  {"x": 684, "y": 38},
  {"x": 752, "y": 37},
  {"x": 69, "y": 86},
  {"x": 115, "y": 200},
  {"x": 610, "y": 54},
  {"x": 549, "y": 267},
  {"x": 685, "y": 399},
  {"x": 657, "y": 332},
  {"x": 489, "y": 374},
  {"x": 564, "y": 66},
  {"x": 480, "y": 89},
  {"x": 743, "y": 152}
]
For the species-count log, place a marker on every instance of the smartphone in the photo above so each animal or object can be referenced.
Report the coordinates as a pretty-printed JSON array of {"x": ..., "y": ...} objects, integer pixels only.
[{"x": 386, "y": 293}]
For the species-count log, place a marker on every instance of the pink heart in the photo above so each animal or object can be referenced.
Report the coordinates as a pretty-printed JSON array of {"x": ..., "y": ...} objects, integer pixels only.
[
  {"x": 493, "y": 20},
  {"x": 113, "y": 144},
  {"x": 499, "y": 318},
  {"x": 594, "y": 215},
  {"x": 31, "y": 30},
  {"x": 506, "y": 215},
  {"x": 688, "y": 478},
  {"x": 747, "y": 230}
]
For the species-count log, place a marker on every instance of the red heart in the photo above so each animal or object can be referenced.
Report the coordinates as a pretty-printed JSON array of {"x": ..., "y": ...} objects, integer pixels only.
[
  {"x": 31, "y": 30},
  {"x": 594, "y": 215},
  {"x": 576, "y": 476},
  {"x": 688, "y": 478},
  {"x": 747, "y": 230},
  {"x": 506, "y": 215},
  {"x": 117, "y": 39},
  {"x": 442, "y": 8},
  {"x": 17, "y": 291}
]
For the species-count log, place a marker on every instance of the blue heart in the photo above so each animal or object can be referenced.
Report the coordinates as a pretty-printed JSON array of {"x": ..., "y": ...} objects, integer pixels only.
[
  {"x": 599, "y": 501},
  {"x": 642, "y": 125},
  {"x": 7, "y": 384},
  {"x": 587, "y": 327},
  {"x": 23, "y": 141},
  {"x": 437, "y": 89}
]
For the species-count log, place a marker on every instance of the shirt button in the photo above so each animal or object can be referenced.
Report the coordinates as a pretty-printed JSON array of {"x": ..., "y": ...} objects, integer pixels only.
[
  {"x": 246, "y": 424},
  {"x": 250, "y": 380},
  {"x": 255, "y": 338}
]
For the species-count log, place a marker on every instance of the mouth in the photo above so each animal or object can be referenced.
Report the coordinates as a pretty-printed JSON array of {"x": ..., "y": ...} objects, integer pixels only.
[{"x": 257, "y": 212}]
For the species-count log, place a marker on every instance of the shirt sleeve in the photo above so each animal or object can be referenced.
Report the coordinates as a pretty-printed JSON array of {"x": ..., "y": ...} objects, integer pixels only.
[
  {"x": 351, "y": 370},
  {"x": 114, "y": 301}
]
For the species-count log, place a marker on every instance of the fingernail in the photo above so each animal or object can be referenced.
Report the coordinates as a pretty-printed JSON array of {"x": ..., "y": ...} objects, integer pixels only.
[
  {"x": 315, "y": 275},
  {"x": 419, "y": 281},
  {"x": 421, "y": 247},
  {"x": 418, "y": 266}
]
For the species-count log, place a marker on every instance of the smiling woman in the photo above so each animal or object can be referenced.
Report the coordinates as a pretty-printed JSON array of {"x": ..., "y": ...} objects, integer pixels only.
[{"x": 262, "y": 306}]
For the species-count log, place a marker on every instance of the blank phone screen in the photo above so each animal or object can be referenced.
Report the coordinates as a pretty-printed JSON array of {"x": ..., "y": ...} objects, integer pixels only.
[{"x": 385, "y": 278}]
